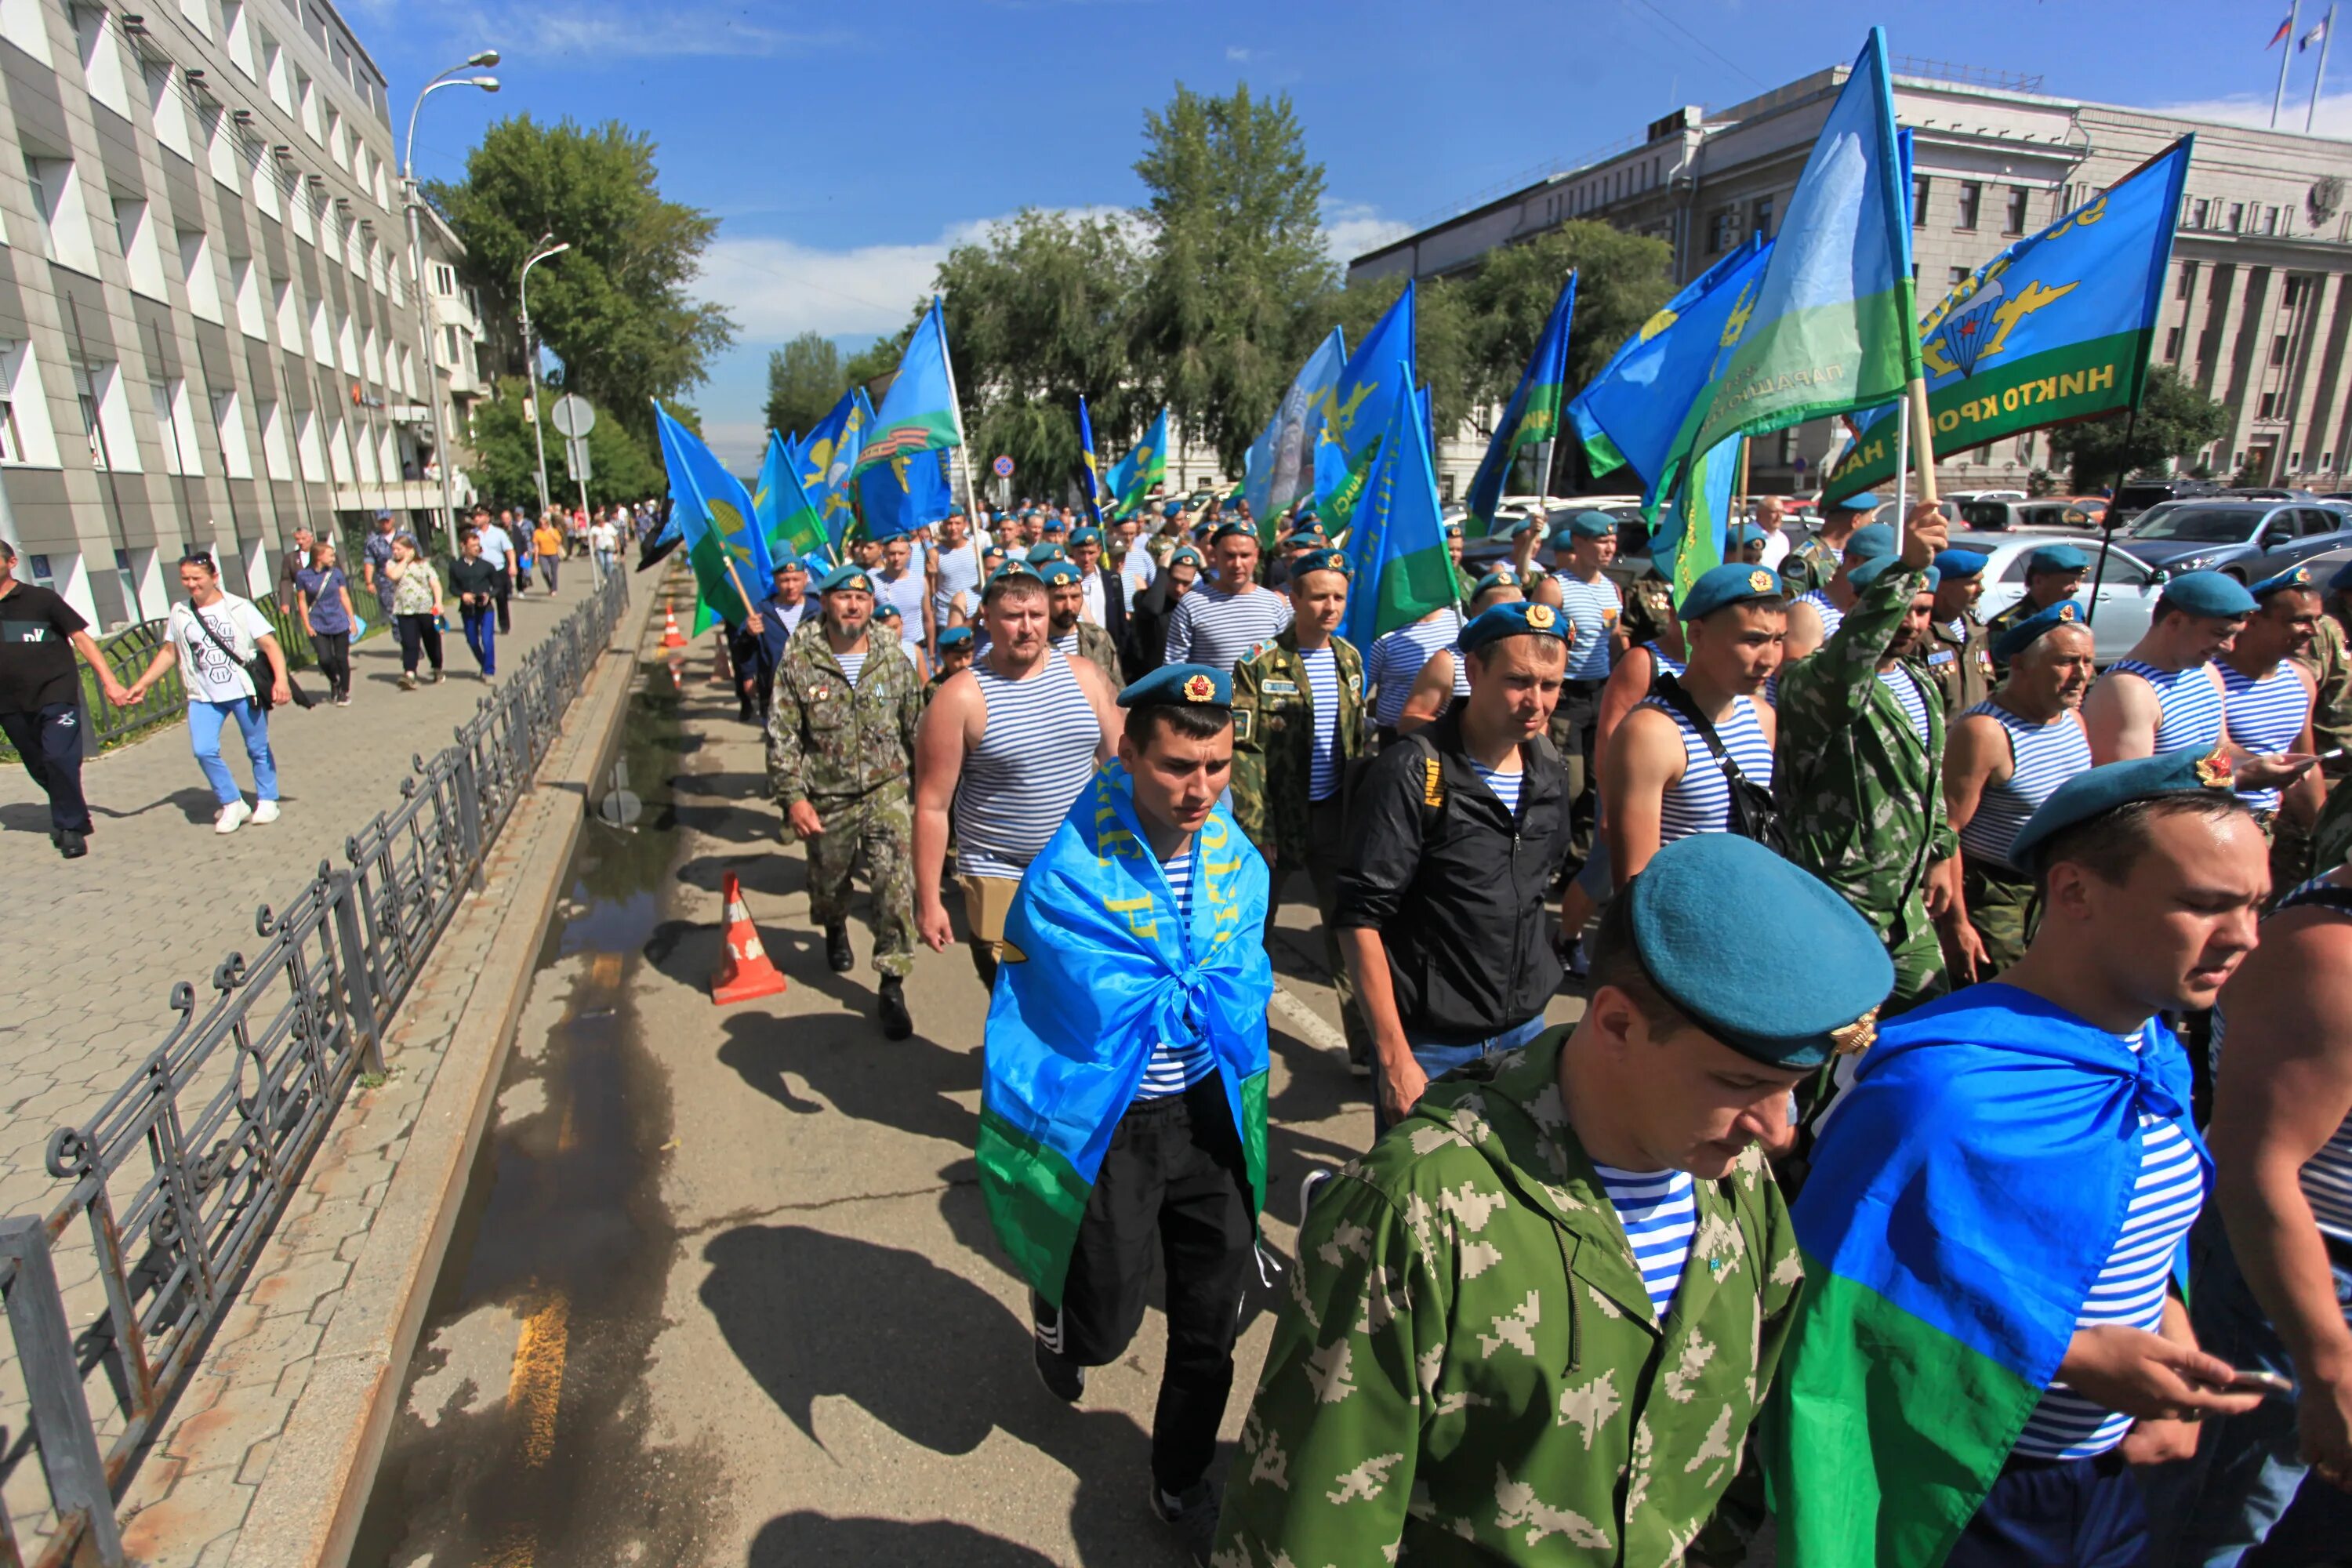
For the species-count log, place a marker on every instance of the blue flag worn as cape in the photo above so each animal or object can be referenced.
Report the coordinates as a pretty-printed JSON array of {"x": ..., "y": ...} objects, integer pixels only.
[{"x": 1098, "y": 969}]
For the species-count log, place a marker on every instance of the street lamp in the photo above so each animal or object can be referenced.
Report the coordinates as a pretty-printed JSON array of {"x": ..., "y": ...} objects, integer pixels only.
[
  {"x": 541, "y": 252},
  {"x": 415, "y": 201}
]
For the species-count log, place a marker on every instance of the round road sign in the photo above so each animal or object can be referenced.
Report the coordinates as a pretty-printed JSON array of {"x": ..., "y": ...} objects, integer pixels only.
[
  {"x": 1002, "y": 467},
  {"x": 572, "y": 417}
]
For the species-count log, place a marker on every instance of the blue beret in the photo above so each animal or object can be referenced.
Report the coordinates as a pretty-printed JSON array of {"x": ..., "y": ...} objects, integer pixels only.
[
  {"x": 1040, "y": 553},
  {"x": 849, "y": 579},
  {"x": 2342, "y": 580},
  {"x": 1233, "y": 528},
  {"x": 1592, "y": 525},
  {"x": 1722, "y": 585},
  {"x": 1861, "y": 500},
  {"x": 1870, "y": 540},
  {"x": 1500, "y": 577},
  {"x": 1452, "y": 528},
  {"x": 993, "y": 550},
  {"x": 1952, "y": 563},
  {"x": 792, "y": 564},
  {"x": 2293, "y": 577},
  {"x": 1172, "y": 509},
  {"x": 1521, "y": 619},
  {"x": 1180, "y": 685},
  {"x": 1006, "y": 573},
  {"x": 1086, "y": 536},
  {"x": 1878, "y": 566},
  {"x": 2094, "y": 792},
  {"x": 954, "y": 636},
  {"x": 1058, "y": 572},
  {"x": 1695, "y": 902},
  {"x": 1319, "y": 560},
  {"x": 2207, "y": 594},
  {"x": 1308, "y": 534},
  {"x": 883, "y": 610},
  {"x": 1053, "y": 524},
  {"x": 1531, "y": 523},
  {"x": 2022, "y": 635},
  {"x": 2056, "y": 558},
  {"x": 1185, "y": 555},
  {"x": 1747, "y": 534}
]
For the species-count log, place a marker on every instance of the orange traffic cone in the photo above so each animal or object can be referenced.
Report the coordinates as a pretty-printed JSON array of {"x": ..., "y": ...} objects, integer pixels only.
[
  {"x": 722, "y": 669},
  {"x": 746, "y": 973},
  {"x": 671, "y": 635}
]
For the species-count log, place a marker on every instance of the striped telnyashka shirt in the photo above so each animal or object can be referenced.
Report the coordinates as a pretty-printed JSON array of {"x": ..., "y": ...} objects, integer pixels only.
[
  {"x": 1177, "y": 1066},
  {"x": 1036, "y": 752},
  {"x": 1323, "y": 690},
  {"x": 1659, "y": 1210},
  {"x": 1216, "y": 628},
  {"x": 2042, "y": 757},
  {"x": 1700, "y": 800},
  {"x": 2189, "y": 703},
  {"x": 1593, "y": 608},
  {"x": 2264, "y": 715},
  {"x": 1396, "y": 660}
]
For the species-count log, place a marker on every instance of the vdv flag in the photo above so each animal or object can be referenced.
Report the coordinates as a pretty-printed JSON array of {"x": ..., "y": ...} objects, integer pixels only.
[
  {"x": 1145, "y": 465},
  {"x": 1830, "y": 329},
  {"x": 787, "y": 521},
  {"x": 918, "y": 412},
  {"x": 1689, "y": 540},
  {"x": 1396, "y": 548},
  {"x": 715, "y": 516},
  {"x": 1281, "y": 464},
  {"x": 1089, "y": 467},
  {"x": 904, "y": 494},
  {"x": 1628, "y": 416},
  {"x": 1360, "y": 410},
  {"x": 1530, "y": 419},
  {"x": 828, "y": 454},
  {"x": 2057, "y": 327}
]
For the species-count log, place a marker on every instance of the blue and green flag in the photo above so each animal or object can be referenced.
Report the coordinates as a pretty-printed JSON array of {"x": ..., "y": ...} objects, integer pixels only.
[
  {"x": 2055, "y": 328},
  {"x": 1359, "y": 411},
  {"x": 788, "y": 521},
  {"x": 1145, "y": 465},
  {"x": 828, "y": 455},
  {"x": 1280, "y": 467},
  {"x": 1530, "y": 419},
  {"x": 715, "y": 518},
  {"x": 1400, "y": 568},
  {"x": 1689, "y": 538},
  {"x": 904, "y": 494},
  {"x": 1089, "y": 469},
  {"x": 918, "y": 412}
]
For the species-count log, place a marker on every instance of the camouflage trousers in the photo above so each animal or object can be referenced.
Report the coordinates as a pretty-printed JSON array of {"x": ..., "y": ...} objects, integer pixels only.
[
  {"x": 1999, "y": 903},
  {"x": 880, "y": 825},
  {"x": 1919, "y": 958}
]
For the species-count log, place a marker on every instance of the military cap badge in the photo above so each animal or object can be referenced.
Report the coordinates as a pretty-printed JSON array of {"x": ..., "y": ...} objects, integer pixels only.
[
  {"x": 1199, "y": 688},
  {"x": 1541, "y": 616},
  {"x": 1760, "y": 582},
  {"x": 1857, "y": 1036},
  {"x": 2213, "y": 771}
]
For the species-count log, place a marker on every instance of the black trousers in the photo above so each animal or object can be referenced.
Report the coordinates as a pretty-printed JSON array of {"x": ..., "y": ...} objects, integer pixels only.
[
  {"x": 417, "y": 634},
  {"x": 1172, "y": 1183},
  {"x": 504, "y": 593},
  {"x": 49, "y": 741},
  {"x": 334, "y": 653}
]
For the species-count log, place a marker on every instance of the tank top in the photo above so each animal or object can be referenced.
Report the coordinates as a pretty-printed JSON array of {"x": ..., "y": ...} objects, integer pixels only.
[
  {"x": 2263, "y": 716},
  {"x": 1036, "y": 752},
  {"x": 2043, "y": 757},
  {"x": 2189, "y": 704},
  {"x": 1396, "y": 660},
  {"x": 1832, "y": 616},
  {"x": 1700, "y": 800}
]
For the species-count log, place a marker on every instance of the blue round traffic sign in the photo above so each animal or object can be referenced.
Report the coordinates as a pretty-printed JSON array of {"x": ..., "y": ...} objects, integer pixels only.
[{"x": 1003, "y": 465}]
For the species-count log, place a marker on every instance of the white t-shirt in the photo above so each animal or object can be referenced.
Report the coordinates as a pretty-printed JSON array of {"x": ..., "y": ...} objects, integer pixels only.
[
  {"x": 212, "y": 676},
  {"x": 1776, "y": 547},
  {"x": 603, "y": 536}
]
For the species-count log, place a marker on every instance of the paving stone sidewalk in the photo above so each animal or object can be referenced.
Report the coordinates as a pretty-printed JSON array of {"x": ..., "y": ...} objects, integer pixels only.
[{"x": 95, "y": 945}]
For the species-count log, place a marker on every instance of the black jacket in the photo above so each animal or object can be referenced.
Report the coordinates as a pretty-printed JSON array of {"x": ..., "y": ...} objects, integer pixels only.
[
  {"x": 1144, "y": 649},
  {"x": 1456, "y": 889},
  {"x": 1114, "y": 608}
]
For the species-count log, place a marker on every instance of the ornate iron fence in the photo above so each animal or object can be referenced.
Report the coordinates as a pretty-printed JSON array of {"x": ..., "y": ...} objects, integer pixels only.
[{"x": 180, "y": 1176}]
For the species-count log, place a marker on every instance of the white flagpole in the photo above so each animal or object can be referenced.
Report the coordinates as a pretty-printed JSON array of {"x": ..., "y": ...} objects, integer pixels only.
[
  {"x": 2327, "y": 36},
  {"x": 1902, "y": 467},
  {"x": 2286, "y": 53},
  {"x": 963, "y": 448}
]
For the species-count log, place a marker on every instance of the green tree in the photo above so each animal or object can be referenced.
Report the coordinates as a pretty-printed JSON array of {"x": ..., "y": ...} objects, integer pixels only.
[
  {"x": 1442, "y": 336},
  {"x": 1622, "y": 280},
  {"x": 1236, "y": 259},
  {"x": 2174, "y": 421},
  {"x": 616, "y": 309},
  {"x": 622, "y": 467},
  {"x": 805, "y": 380}
]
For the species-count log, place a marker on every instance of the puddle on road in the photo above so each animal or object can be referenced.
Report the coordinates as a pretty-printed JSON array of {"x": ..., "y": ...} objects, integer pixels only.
[{"x": 522, "y": 1434}]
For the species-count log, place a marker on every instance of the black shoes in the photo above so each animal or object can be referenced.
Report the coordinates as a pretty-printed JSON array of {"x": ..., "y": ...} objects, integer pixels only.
[
  {"x": 1064, "y": 1379},
  {"x": 836, "y": 948},
  {"x": 70, "y": 845},
  {"x": 897, "y": 1022},
  {"x": 1192, "y": 1514}
]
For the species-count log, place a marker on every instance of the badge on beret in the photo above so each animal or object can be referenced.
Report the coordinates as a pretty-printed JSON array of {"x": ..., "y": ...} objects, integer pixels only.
[
  {"x": 1857, "y": 1036},
  {"x": 2066, "y": 610},
  {"x": 2213, "y": 771},
  {"x": 1541, "y": 616},
  {"x": 1760, "y": 582},
  {"x": 1199, "y": 688}
]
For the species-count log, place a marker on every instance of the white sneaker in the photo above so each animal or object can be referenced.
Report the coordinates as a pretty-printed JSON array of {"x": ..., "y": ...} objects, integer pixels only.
[
  {"x": 264, "y": 813},
  {"x": 232, "y": 816}
]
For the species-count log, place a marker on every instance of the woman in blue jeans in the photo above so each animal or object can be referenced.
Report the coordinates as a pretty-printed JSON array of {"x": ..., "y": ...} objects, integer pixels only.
[{"x": 213, "y": 638}]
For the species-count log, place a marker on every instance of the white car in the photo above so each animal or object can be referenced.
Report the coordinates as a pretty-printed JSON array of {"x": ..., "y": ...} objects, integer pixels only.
[
  {"x": 1985, "y": 495},
  {"x": 2128, "y": 587}
]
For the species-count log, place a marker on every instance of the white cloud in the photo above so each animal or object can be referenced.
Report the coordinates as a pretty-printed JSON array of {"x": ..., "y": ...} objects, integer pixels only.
[
  {"x": 1238, "y": 55},
  {"x": 606, "y": 29},
  {"x": 2334, "y": 119},
  {"x": 1350, "y": 229}
]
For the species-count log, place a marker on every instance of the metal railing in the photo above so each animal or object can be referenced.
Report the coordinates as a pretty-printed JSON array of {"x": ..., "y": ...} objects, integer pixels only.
[{"x": 182, "y": 1174}]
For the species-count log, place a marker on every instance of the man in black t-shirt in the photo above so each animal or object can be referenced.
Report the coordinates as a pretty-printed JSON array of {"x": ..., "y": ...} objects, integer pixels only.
[{"x": 39, "y": 711}]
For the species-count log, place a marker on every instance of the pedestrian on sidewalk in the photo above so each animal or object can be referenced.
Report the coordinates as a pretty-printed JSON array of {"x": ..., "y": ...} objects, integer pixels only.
[
  {"x": 547, "y": 549},
  {"x": 375, "y": 557},
  {"x": 476, "y": 581},
  {"x": 416, "y": 609},
  {"x": 217, "y": 639},
  {"x": 329, "y": 619},
  {"x": 40, "y": 712},
  {"x": 498, "y": 550},
  {"x": 604, "y": 543}
]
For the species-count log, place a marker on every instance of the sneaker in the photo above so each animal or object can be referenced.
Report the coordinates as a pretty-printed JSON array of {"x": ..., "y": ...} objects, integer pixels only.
[
  {"x": 489, "y": 677},
  {"x": 898, "y": 1024},
  {"x": 1193, "y": 1515},
  {"x": 345, "y": 701},
  {"x": 1580, "y": 964},
  {"x": 436, "y": 678},
  {"x": 72, "y": 845},
  {"x": 232, "y": 816},
  {"x": 838, "y": 956},
  {"x": 1064, "y": 1379},
  {"x": 408, "y": 680},
  {"x": 1308, "y": 1185},
  {"x": 264, "y": 813}
]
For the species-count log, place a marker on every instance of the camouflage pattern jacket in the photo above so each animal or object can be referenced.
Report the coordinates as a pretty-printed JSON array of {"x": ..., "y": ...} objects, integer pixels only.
[
  {"x": 1094, "y": 646},
  {"x": 1649, "y": 610},
  {"x": 1469, "y": 1367},
  {"x": 1959, "y": 668},
  {"x": 1274, "y": 739},
  {"x": 1862, "y": 800},
  {"x": 828, "y": 740},
  {"x": 2330, "y": 664},
  {"x": 1808, "y": 565}
]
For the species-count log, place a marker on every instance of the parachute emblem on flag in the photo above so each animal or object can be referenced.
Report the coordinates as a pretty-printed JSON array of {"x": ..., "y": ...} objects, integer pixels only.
[
  {"x": 1658, "y": 323},
  {"x": 1980, "y": 326}
]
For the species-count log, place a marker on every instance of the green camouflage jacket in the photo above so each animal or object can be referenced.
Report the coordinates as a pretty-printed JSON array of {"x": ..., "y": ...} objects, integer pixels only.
[
  {"x": 1649, "y": 609},
  {"x": 1096, "y": 649},
  {"x": 1469, "y": 1369},
  {"x": 830, "y": 740},
  {"x": 1959, "y": 668},
  {"x": 1273, "y": 739},
  {"x": 1862, "y": 800},
  {"x": 1808, "y": 565},
  {"x": 2330, "y": 664}
]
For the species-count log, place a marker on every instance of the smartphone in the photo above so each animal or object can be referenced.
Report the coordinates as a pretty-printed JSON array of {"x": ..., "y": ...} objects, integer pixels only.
[
  {"x": 2329, "y": 756},
  {"x": 2268, "y": 1384}
]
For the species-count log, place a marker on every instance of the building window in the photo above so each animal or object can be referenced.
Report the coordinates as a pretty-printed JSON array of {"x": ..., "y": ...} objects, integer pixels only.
[
  {"x": 2237, "y": 217},
  {"x": 1971, "y": 202},
  {"x": 2269, "y": 406},
  {"x": 445, "y": 278},
  {"x": 105, "y": 421},
  {"x": 2172, "y": 346},
  {"x": 2187, "y": 281},
  {"x": 2014, "y": 222},
  {"x": 137, "y": 237},
  {"x": 2269, "y": 220},
  {"x": 228, "y": 424},
  {"x": 1722, "y": 230},
  {"x": 2200, "y": 214},
  {"x": 12, "y": 440},
  {"x": 2278, "y": 349},
  {"x": 1955, "y": 276},
  {"x": 1920, "y": 184},
  {"x": 65, "y": 221},
  {"x": 1760, "y": 219}
]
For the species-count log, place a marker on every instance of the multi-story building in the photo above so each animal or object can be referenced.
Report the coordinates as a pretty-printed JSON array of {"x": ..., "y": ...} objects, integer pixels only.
[
  {"x": 208, "y": 338},
  {"x": 2258, "y": 307}
]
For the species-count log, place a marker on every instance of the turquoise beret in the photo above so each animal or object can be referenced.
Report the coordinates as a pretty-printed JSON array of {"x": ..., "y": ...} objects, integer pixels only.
[
  {"x": 1878, "y": 566},
  {"x": 792, "y": 564},
  {"x": 2207, "y": 594},
  {"x": 1041, "y": 553},
  {"x": 1870, "y": 540},
  {"x": 1232, "y": 528},
  {"x": 1863, "y": 501},
  {"x": 1697, "y": 903},
  {"x": 1500, "y": 577},
  {"x": 1521, "y": 619},
  {"x": 1056, "y": 573},
  {"x": 1592, "y": 525},
  {"x": 1172, "y": 509},
  {"x": 2024, "y": 633},
  {"x": 883, "y": 610},
  {"x": 1747, "y": 534},
  {"x": 1319, "y": 560},
  {"x": 1053, "y": 524},
  {"x": 849, "y": 579},
  {"x": 1180, "y": 685},
  {"x": 1531, "y": 523},
  {"x": 1721, "y": 585},
  {"x": 1086, "y": 536},
  {"x": 1185, "y": 555},
  {"x": 2056, "y": 558},
  {"x": 1454, "y": 528},
  {"x": 1951, "y": 563},
  {"x": 2094, "y": 792},
  {"x": 2342, "y": 580},
  {"x": 954, "y": 636},
  {"x": 994, "y": 550},
  {"x": 1007, "y": 573},
  {"x": 1307, "y": 535},
  {"x": 2293, "y": 577}
]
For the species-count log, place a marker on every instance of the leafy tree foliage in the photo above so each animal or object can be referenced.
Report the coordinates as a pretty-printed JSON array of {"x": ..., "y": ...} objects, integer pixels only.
[
  {"x": 1622, "y": 281},
  {"x": 622, "y": 467},
  {"x": 2174, "y": 421},
  {"x": 805, "y": 380}
]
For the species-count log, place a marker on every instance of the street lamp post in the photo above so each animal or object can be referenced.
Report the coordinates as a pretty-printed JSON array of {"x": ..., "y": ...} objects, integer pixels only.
[
  {"x": 413, "y": 198},
  {"x": 540, "y": 253}
]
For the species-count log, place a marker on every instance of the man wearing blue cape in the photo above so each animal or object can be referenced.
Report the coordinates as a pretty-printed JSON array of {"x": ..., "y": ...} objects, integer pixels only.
[{"x": 1123, "y": 1109}]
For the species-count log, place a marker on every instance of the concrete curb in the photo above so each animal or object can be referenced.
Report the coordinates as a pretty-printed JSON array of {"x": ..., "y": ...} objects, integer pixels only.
[{"x": 308, "y": 1508}]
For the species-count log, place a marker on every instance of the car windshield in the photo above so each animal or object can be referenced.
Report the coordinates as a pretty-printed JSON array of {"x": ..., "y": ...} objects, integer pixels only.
[
  {"x": 2199, "y": 525},
  {"x": 2142, "y": 495}
]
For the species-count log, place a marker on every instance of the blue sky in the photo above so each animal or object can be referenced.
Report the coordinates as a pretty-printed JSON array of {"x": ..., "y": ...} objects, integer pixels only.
[{"x": 846, "y": 149}]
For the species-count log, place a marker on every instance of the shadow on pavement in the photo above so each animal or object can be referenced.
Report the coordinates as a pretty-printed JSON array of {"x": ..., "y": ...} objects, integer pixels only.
[
  {"x": 815, "y": 1541},
  {"x": 904, "y": 1085}
]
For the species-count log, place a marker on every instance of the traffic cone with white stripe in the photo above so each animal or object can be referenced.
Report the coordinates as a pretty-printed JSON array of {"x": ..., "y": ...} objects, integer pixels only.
[
  {"x": 746, "y": 973},
  {"x": 671, "y": 635}
]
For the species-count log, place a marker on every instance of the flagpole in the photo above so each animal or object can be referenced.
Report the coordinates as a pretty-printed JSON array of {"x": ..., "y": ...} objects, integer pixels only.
[
  {"x": 1902, "y": 466},
  {"x": 1922, "y": 440},
  {"x": 2327, "y": 36},
  {"x": 2107, "y": 518},
  {"x": 2286, "y": 53},
  {"x": 963, "y": 448}
]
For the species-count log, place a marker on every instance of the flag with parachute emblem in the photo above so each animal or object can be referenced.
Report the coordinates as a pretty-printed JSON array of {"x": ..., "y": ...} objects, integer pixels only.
[
  {"x": 715, "y": 518},
  {"x": 827, "y": 457},
  {"x": 1145, "y": 465},
  {"x": 1396, "y": 548},
  {"x": 1358, "y": 411},
  {"x": 1089, "y": 471},
  {"x": 1530, "y": 419}
]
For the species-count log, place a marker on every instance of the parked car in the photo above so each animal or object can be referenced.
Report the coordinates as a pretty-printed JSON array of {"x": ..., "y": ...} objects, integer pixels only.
[
  {"x": 2249, "y": 540},
  {"x": 1964, "y": 497},
  {"x": 2260, "y": 493},
  {"x": 2128, "y": 587},
  {"x": 2085, "y": 511},
  {"x": 2141, "y": 494},
  {"x": 2005, "y": 516}
]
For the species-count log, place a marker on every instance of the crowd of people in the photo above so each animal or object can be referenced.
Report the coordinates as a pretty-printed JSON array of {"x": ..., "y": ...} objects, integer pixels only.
[{"x": 1875, "y": 1189}]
